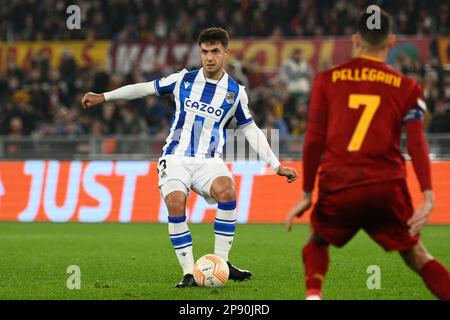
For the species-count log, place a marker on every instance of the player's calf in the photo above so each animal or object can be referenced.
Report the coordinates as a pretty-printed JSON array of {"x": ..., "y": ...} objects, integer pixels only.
[
  {"x": 416, "y": 257},
  {"x": 435, "y": 275},
  {"x": 222, "y": 190},
  {"x": 179, "y": 232},
  {"x": 315, "y": 260},
  {"x": 176, "y": 203}
]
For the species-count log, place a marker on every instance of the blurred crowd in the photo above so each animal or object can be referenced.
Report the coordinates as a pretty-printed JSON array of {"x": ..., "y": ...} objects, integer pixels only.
[
  {"x": 41, "y": 101},
  {"x": 183, "y": 20}
]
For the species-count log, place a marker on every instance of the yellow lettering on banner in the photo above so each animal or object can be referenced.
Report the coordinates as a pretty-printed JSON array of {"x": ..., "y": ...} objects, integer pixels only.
[
  {"x": 236, "y": 47},
  {"x": 84, "y": 52},
  {"x": 336, "y": 75},
  {"x": 326, "y": 52},
  {"x": 444, "y": 49},
  {"x": 268, "y": 48}
]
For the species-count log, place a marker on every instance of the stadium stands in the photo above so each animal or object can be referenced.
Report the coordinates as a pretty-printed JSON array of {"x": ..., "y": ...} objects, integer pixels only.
[{"x": 40, "y": 100}]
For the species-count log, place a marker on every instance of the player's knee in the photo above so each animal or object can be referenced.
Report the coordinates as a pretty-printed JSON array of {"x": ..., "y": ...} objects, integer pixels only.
[
  {"x": 222, "y": 190},
  {"x": 317, "y": 239},
  {"x": 315, "y": 245},
  {"x": 227, "y": 195},
  {"x": 176, "y": 209}
]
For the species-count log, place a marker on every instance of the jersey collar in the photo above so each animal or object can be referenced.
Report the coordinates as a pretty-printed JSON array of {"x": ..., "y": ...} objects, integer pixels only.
[
  {"x": 216, "y": 82},
  {"x": 367, "y": 57}
]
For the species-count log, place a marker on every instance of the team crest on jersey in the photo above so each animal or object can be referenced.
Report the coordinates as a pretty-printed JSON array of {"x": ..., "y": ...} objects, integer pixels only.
[{"x": 230, "y": 97}]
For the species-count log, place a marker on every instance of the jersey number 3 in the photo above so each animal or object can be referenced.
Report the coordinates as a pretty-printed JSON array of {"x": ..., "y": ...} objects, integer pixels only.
[{"x": 371, "y": 103}]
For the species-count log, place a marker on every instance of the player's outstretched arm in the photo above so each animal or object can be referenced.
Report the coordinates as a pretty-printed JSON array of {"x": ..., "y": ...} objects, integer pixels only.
[
  {"x": 259, "y": 143},
  {"x": 129, "y": 92},
  {"x": 418, "y": 150},
  {"x": 300, "y": 208},
  {"x": 313, "y": 149}
]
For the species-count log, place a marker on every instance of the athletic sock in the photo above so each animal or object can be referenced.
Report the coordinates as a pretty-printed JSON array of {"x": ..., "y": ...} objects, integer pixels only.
[
  {"x": 182, "y": 243},
  {"x": 315, "y": 261},
  {"x": 224, "y": 227},
  {"x": 437, "y": 278}
]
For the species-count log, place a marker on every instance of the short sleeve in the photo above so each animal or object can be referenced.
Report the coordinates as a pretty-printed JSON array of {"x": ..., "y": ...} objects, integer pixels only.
[
  {"x": 416, "y": 106},
  {"x": 166, "y": 85},
  {"x": 242, "y": 113}
]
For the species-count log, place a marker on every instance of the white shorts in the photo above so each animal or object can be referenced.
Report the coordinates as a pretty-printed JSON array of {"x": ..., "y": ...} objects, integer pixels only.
[{"x": 193, "y": 173}]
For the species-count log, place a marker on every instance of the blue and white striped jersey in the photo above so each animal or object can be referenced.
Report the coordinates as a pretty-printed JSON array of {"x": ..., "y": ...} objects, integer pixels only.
[{"x": 204, "y": 109}]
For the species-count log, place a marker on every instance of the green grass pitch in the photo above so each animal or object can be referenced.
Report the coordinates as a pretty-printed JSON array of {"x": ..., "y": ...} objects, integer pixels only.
[{"x": 136, "y": 261}]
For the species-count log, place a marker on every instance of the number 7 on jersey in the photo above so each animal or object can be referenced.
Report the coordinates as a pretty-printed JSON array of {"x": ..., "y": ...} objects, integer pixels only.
[{"x": 372, "y": 102}]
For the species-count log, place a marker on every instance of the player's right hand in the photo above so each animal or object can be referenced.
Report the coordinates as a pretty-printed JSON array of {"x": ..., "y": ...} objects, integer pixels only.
[
  {"x": 290, "y": 173},
  {"x": 300, "y": 208},
  {"x": 90, "y": 99}
]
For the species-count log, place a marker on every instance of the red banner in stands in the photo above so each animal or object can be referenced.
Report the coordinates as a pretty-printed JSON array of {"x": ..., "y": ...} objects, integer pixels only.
[
  {"x": 86, "y": 53},
  {"x": 266, "y": 54},
  {"x": 127, "y": 191}
]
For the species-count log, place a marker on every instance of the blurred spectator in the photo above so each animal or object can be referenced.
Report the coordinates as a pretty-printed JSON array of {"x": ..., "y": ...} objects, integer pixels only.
[
  {"x": 109, "y": 118},
  {"x": 235, "y": 70},
  {"x": 274, "y": 122},
  {"x": 66, "y": 123},
  {"x": 15, "y": 128},
  {"x": 68, "y": 68},
  {"x": 15, "y": 132},
  {"x": 155, "y": 113},
  {"x": 297, "y": 75},
  {"x": 299, "y": 118},
  {"x": 130, "y": 122},
  {"x": 431, "y": 90},
  {"x": 440, "y": 122}
]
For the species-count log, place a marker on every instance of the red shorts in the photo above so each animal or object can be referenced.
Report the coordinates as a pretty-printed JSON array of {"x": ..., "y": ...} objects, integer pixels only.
[{"x": 381, "y": 209}]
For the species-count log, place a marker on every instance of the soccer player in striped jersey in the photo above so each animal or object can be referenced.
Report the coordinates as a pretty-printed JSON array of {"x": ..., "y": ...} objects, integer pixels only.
[{"x": 206, "y": 101}]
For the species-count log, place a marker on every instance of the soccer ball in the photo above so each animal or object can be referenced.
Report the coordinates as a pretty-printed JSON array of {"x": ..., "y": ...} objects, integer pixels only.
[{"x": 211, "y": 271}]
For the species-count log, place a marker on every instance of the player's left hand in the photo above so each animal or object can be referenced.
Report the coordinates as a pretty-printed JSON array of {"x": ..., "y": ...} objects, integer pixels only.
[
  {"x": 300, "y": 208},
  {"x": 290, "y": 173},
  {"x": 421, "y": 214}
]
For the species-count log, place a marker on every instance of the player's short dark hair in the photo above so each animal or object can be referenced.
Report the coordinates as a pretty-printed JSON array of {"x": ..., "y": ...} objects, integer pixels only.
[
  {"x": 377, "y": 36},
  {"x": 214, "y": 35}
]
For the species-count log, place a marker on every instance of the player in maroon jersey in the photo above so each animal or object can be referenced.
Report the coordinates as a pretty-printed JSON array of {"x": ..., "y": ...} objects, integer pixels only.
[{"x": 357, "y": 113}]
